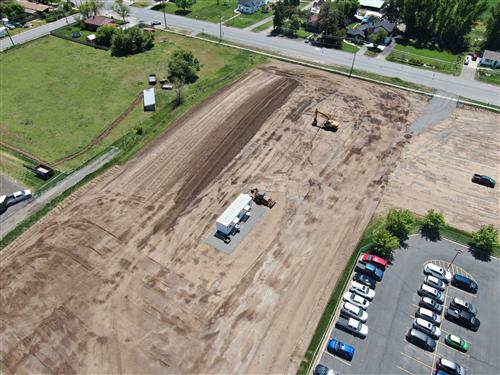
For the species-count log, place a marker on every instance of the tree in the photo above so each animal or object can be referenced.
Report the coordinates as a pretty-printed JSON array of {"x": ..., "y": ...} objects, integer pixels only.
[
  {"x": 121, "y": 9},
  {"x": 85, "y": 10},
  {"x": 96, "y": 6},
  {"x": 11, "y": 10},
  {"x": 329, "y": 18},
  {"x": 378, "y": 37},
  {"x": 184, "y": 4},
  {"x": 384, "y": 244},
  {"x": 492, "y": 35},
  {"x": 433, "y": 222},
  {"x": 392, "y": 9},
  {"x": 485, "y": 239},
  {"x": 291, "y": 25},
  {"x": 399, "y": 223},
  {"x": 131, "y": 41},
  {"x": 104, "y": 35},
  {"x": 183, "y": 69},
  {"x": 279, "y": 14},
  {"x": 345, "y": 9}
]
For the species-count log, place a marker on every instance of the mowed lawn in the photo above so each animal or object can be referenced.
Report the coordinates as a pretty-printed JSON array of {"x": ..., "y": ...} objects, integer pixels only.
[
  {"x": 57, "y": 96},
  {"x": 207, "y": 10}
]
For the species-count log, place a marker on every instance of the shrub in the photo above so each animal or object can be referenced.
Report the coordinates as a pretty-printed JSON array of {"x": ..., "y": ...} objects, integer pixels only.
[
  {"x": 104, "y": 35},
  {"x": 399, "y": 223},
  {"x": 485, "y": 239},
  {"x": 131, "y": 41},
  {"x": 433, "y": 221}
]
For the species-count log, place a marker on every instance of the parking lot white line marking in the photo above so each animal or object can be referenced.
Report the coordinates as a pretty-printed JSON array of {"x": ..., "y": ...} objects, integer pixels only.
[
  {"x": 463, "y": 291},
  {"x": 440, "y": 344},
  {"x": 340, "y": 359},
  {"x": 417, "y": 360},
  {"x": 402, "y": 369}
]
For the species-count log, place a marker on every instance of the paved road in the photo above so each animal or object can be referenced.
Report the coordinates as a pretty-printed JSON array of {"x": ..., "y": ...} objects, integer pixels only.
[
  {"x": 298, "y": 49},
  {"x": 14, "y": 215},
  {"x": 34, "y": 33},
  {"x": 385, "y": 350}
]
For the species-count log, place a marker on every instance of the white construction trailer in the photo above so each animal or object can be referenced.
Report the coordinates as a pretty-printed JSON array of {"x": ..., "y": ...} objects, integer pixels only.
[{"x": 236, "y": 212}]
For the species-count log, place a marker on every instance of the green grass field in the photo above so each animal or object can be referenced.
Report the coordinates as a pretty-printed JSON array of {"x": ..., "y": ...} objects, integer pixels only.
[
  {"x": 488, "y": 75},
  {"x": 442, "y": 61},
  {"x": 246, "y": 20},
  {"x": 207, "y": 10},
  {"x": 263, "y": 27},
  {"x": 57, "y": 95}
]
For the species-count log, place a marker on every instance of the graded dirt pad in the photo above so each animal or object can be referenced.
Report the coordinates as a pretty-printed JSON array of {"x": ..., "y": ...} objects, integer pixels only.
[
  {"x": 118, "y": 278},
  {"x": 437, "y": 166}
]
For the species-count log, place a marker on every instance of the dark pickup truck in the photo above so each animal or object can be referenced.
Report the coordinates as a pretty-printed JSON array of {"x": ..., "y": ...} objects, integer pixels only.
[
  {"x": 483, "y": 180},
  {"x": 463, "y": 318}
]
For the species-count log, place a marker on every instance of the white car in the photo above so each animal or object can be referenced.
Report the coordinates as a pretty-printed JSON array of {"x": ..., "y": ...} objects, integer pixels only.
[
  {"x": 352, "y": 311},
  {"x": 18, "y": 196},
  {"x": 427, "y": 328},
  {"x": 356, "y": 300},
  {"x": 155, "y": 22},
  {"x": 361, "y": 328},
  {"x": 435, "y": 282},
  {"x": 428, "y": 315},
  {"x": 362, "y": 290},
  {"x": 439, "y": 272}
]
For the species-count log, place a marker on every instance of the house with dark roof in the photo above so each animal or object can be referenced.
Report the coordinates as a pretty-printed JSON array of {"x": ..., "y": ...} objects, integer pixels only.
[
  {"x": 491, "y": 59},
  {"x": 92, "y": 23},
  {"x": 362, "y": 32}
]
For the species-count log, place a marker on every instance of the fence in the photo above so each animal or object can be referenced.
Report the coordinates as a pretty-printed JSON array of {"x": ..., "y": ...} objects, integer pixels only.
[{"x": 57, "y": 33}]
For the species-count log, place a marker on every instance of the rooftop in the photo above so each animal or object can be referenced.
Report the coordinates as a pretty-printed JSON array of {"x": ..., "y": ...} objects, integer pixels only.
[
  {"x": 371, "y": 3},
  {"x": 33, "y": 6},
  {"x": 98, "y": 20},
  {"x": 234, "y": 209},
  {"x": 491, "y": 55}
]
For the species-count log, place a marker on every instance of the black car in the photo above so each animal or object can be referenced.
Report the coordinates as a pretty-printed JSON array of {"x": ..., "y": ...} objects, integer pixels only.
[
  {"x": 370, "y": 270},
  {"x": 460, "y": 304},
  {"x": 463, "y": 318},
  {"x": 421, "y": 339},
  {"x": 462, "y": 282},
  {"x": 323, "y": 370},
  {"x": 365, "y": 280},
  {"x": 431, "y": 304},
  {"x": 483, "y": 180}
]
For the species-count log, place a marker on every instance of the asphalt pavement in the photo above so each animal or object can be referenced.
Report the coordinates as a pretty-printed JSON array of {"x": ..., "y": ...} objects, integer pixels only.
[{"x": 390, "y": 315}]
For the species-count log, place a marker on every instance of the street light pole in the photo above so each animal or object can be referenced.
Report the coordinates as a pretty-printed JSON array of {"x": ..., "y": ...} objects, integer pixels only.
[
  {"x": 458, "y": 251},
  {"x": 220, "y": 27},
  {"x": 8, "y": 33},
  {"x": 164, "y": 16},
  {"x": 352, "y": 66}
]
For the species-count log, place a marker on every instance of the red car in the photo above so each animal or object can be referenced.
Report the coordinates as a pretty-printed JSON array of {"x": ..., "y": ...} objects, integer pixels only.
[{"x": 375, "y": 260}]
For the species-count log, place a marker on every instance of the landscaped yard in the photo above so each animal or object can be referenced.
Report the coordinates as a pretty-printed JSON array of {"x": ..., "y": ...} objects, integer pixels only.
[
  {"x": 488, "y": 75},
  {"x": 61, "y": 95},
  {"x": 207, "y": 10},
  {"x": 245, "y": 20},
  {"x": 263, "y": 27},
  {"x": 68, "y": 31},
  {"x": 442, "y": 61}
]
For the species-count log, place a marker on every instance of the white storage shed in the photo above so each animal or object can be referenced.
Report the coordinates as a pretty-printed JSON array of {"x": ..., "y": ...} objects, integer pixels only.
[
  {"x": 234, "y": 214},
  {"x": 149, "y": 99}
]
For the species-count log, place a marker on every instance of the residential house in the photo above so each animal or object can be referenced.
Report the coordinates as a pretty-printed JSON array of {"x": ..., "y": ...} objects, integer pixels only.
[
  {"x": 251, "y": 6},
  {"x": 92, "y": 23},
  {"x": 491, "y": 59},
  {"x": 369, "y": 8},
  {"x": 32, "y": 8},
  {"x": 362, "y": 32},
  {"x": 312, "y": 24}
]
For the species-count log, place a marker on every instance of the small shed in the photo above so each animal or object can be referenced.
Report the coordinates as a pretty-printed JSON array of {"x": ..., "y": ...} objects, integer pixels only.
[
  {"x": 91, "y": 38},
  {"x": 149, "y": 99},
  {"x": 236, "y": 212}
]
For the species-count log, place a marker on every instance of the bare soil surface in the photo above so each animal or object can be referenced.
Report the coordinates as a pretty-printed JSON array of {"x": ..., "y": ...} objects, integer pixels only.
[
  {"x": 437, "y": 167},
  {"x": 118, "y": 279}
]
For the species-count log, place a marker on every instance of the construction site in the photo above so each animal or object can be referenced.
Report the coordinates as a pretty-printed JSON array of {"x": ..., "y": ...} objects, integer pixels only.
[{"x": 118, "y": 278}]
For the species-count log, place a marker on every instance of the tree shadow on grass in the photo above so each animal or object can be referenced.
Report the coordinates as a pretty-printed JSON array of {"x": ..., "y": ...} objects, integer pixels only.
[{"x": 180, "y": 12}]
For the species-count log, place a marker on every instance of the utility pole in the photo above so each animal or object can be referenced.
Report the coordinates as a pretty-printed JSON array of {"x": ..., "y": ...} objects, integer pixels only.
[
  {"x": 220, "y": 27},
  {"x": 164, "y": 16},
  {"x": 352, "y": 66},
  {"x": 458, "y": 251},
  {"x": 8, "y": 33}
]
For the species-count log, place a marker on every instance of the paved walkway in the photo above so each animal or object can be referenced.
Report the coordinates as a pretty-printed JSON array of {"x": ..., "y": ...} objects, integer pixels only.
[
  {"x": 10, "y": 219},
  {"x": 257, "y": 24}
]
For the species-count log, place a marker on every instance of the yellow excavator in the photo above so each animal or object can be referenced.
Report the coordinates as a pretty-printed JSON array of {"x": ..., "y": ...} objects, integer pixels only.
[{"x": 329, "y": 124}]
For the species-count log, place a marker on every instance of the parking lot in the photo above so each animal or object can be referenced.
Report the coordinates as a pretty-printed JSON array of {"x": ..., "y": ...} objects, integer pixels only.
[{"x": 391, "y": 314}]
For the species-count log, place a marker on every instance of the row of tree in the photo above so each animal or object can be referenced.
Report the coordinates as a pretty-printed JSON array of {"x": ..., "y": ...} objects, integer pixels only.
[
  {"x": 400, "y": 223},
  {"x": 443, "y": 22}
]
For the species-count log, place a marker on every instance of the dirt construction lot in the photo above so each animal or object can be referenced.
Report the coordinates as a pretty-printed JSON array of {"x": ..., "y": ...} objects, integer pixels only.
[
  {"x": 437, "y": 166},
  {"x": 118, "y": 278}
]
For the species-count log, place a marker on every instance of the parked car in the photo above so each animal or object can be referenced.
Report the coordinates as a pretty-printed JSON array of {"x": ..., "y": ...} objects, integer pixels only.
[
  {"x": 365, "y": 280},
  {"x": 3, "y": 204},
  {"x": 435, "y": 282},
  {"x": 428, "y": 315},
  {"x": 323, "y": 370},
  {"x": 370, "y": 270},
  {"x": 155, "y": 22},
  {"x": 457, "y": 342},
  {"x": 10, "y": 25},
  {"x": 152, "y": 79},
  {"x": 356, "y": 300},
  {"x": 467, "y": 60},
  {"x": 450, "y": 367},
  {"x": 362, "y": 290},
  {"x": 428, "y": 291},
  {"x": 463, "y": 282},
  {"x": 375, "y": 260},
  {"x": 439, "y": 272},
  {"x": 427, "y": 328},
  {"x": 463, "y": 318},
  {"x": 340, "y": 349},
  {"x": 458, "y": 303},
  {"x": 431, "y": 304},
  {"x": 421, "y": 339},
  {"x": 167, "y": 86},
  {"x": 351, "y": 311},
  {"x": 352, "y": 326},
  {"x": 18, "y": 196},
  {"x": 483, "y": 180}
]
